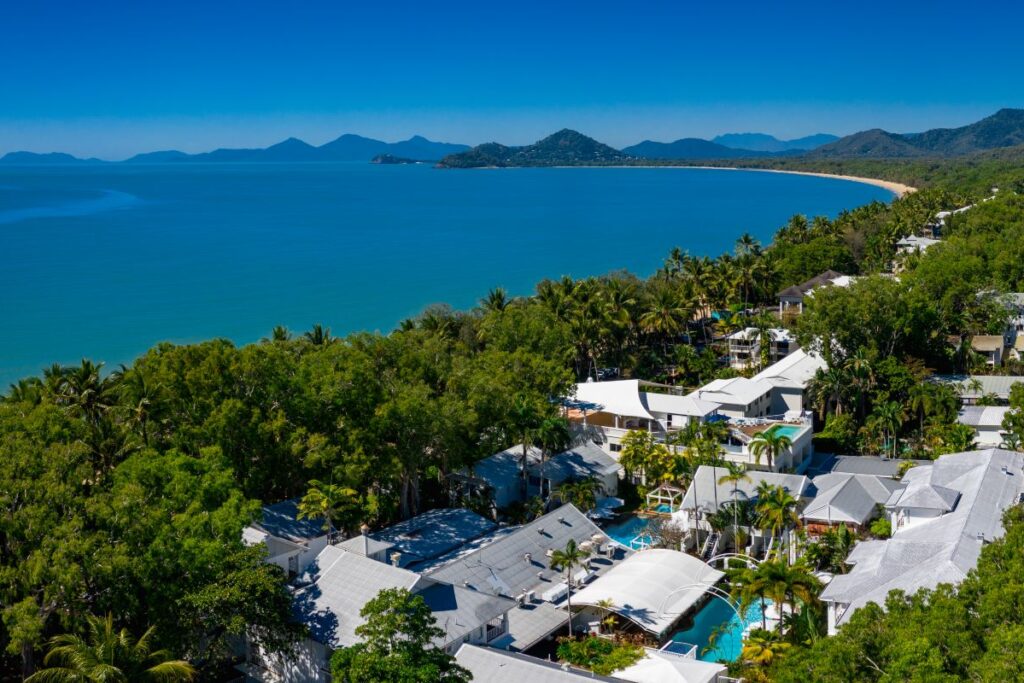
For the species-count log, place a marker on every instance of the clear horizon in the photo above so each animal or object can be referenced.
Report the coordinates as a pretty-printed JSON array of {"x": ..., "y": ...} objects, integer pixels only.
[{"x": 111, "y": 79}]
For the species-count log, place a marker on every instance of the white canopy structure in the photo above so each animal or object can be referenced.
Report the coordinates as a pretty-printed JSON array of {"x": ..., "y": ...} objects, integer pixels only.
[
  {"x": 652, "y": 588},
  {"x": 620, "y": 397}
]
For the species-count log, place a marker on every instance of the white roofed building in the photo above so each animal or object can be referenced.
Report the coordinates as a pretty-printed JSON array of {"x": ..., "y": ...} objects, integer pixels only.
[
  {"x": 987, "y": 423},
  {"x": 746, "y": 347}
]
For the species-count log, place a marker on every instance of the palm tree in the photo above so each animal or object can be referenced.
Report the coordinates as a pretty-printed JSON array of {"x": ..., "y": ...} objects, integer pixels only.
[
  {"x": 609, "y": 621},
  {"x": 525, "y": 417},
  {"x": 582, "y": 493},
  {"x": 762, "y": 647},
  {"x": 889, "y": 416},
  {"x": 552, "y": 435},
  {"x": 735, "y": 474},
  {"x": 496, "y": 300},
  {"x": 827, "y": 390},
  {"x": 787, "y": 585},
  {"x": 318, "y": 335},
  {"x": 331, "y": 503},
  {"x": 776, "y": 509},
  {"x": 770, "y": 442},
  {"x": 566, "y": 560},
  {"x": 107, "y": 655},
  {"x": 280, "y": 333}
]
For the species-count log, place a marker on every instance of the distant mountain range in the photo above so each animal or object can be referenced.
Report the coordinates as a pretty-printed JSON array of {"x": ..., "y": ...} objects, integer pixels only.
[
  {"x": 759, "y": 142},
  {"x": 1005, "y": 128},
  {"x": 346, "y": 148}
]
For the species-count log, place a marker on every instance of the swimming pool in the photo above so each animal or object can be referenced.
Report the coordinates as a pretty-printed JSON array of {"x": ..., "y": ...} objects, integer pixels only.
[
  {"x": 789, "y": 431},
  {"x": 710, "y": 619},
  {"x": 623, "y": 532}
]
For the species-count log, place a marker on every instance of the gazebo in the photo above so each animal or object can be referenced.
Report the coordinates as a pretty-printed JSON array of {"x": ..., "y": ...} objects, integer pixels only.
[{"x": 665, "y": 499}]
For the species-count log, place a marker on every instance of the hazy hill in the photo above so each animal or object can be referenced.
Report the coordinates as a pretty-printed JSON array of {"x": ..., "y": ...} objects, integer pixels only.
[
  {"x": 760, "y": 142},
  {"x": 564, "y": 148},
  {"x": 1003, "y": 129},
  {"x": 687, "y": 148},
  {"x": 35, "y": 159}
]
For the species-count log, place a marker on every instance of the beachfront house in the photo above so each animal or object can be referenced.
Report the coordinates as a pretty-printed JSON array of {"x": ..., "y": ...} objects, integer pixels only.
[
  {"x": 941, "y": 518},
  {"x": 746, "y": 347},
  {"x": 291, "y": 543},
  {"x": 987, "y": 423}
]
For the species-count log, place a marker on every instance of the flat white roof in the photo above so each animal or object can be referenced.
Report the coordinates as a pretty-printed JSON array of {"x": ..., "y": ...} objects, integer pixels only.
[
  {"x": 659, "y": 666},
  {"x": 795, "y": 370},
  {"x": 652, "y": 588},
  {"x": 735, "y": 391},
  {"x": 778, "y": 334}
]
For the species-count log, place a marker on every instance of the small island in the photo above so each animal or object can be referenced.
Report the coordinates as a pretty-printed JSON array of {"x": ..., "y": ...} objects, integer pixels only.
[{"x": 392, "y": 159}]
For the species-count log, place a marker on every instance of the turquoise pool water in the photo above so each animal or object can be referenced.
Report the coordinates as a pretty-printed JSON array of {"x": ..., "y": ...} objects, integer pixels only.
[
  {"x": 789, "y": 431},
  {"x": 710, "y": 620},
  {"x": 623, "y": 532}
]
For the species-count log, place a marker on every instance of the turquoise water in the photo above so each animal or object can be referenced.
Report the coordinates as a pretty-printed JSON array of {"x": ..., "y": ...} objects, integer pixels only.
[
  {"x": 710, "y": 619},
  {"x": 788, "y": 431},
  {"x": 623, "y": 532},
  {"x": 106, "y": 261}
]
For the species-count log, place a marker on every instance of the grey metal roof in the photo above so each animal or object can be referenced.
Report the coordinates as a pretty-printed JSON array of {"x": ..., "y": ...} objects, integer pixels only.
[
  {"x": 496, "y": 666},
  {"x": 710, "y": 494},
  {"x": 503, "y": 466},
  {"x": 816, "y": 281},
  {"x": 433, "y": 533},
  {"x": 927, "y": 496},
  {"x": 990, "y": 384},
  {"x": 364, "y": 545},
  {"x": 851, "y": 498},
  {"x": 529, "y": 623},
  {"x": 347, "y": 581},
  {"x": 282, "y": 520},
  {"x": 502, "y": 568},
  {"x": 824, "y": 463},
  {"x": 588, "y": 460},
  {"x": 941, "y": 550},
  {"x": 982, "y": 416}
]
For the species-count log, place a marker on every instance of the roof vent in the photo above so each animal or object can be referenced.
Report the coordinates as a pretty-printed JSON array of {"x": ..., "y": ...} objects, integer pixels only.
[
  {"x": 1004, "y": 469},
  {"x": 528, "y": 557},
  {"x": 561, "y": 520},
  {"x": 981, "y": 536},
  {"x": 540, "y": 530}
]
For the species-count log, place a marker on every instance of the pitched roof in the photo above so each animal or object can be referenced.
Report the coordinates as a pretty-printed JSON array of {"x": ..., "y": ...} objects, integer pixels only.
[
  {"x": 502, "y": 568},
  {"x": 710, "y": 494},
  {"x": 824, "y": 463},
  {"x": 364, "y": 545},
  {"x": 674, "y": 404},
  {"x": 983, "y": 416},
  {"x": 433, "y": 533},
  {"x": 662, "y": 666},
  {"x": 987, "y": 342},
  {"x": 816, "y": 281},
  {"x": 652, "y": 588},
  {"x": 282, "y": 520},
  {"x": 943, "y": 549},
  {"x": 734, "y": 391},
  {"x": 850, "y": 498},
  {"x": 999, "y": 385},
  {"x": 498, "y": 666},
  {"x": 503, "y": 466},
  {"x": 793, "y": 371},
  {"x": 581, "y": 462}
]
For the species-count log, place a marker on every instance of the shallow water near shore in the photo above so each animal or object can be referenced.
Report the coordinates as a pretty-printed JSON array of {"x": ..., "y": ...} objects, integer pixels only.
[{"x": 105, "y": 261}]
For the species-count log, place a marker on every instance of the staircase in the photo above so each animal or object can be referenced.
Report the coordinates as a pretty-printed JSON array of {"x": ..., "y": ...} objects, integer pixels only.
[
  {"x": 769, "y": 549},
  {"x": 710, "y": 548}
]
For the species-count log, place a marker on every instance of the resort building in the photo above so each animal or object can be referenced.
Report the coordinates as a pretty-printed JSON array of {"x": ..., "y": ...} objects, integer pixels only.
[
  {"x": 746, "y": 347},
  {"x": 500, "y": 478},
  {"x": 666, "y": 666},
  {"x": 515, "y": 564},
  {"x": 850, "y": 499},
  {"x": 941, "y": 519},
  {"x": 292, "y": 543},
  {"x": 738, "y": 397},
  {"x": 330, "y": 609},
  {"x": 498, "y": 666},
  {"x": 987, "y": 423},
  {"x": 789, "y": 378},
  {"x": 652, "y": 590},
  {"x": 791, "y": 299},
  {"x": 603, "y": 412},
  {"x": 739, "y": 446}
]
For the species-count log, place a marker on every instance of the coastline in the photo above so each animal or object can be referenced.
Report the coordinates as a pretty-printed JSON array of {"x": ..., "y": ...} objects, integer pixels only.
[{"x": 898, "y": 189}]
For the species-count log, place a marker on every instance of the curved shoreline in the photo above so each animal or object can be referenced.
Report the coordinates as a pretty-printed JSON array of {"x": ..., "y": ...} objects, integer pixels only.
[{"x": 898, "y": 189}]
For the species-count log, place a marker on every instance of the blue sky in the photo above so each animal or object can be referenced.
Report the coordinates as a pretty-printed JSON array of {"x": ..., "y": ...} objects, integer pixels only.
[{"x": 110, "y": 78}]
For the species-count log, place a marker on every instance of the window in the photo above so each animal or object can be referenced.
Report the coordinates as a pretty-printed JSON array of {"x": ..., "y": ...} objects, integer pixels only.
[{"x": 615, "y": 447}]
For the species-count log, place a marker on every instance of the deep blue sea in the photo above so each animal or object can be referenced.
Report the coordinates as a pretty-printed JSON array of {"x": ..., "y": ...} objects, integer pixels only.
[{"x": 104, "y": 261}]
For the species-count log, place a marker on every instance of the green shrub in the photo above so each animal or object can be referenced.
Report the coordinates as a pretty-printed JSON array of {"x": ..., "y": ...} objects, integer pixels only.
[{"x": 600, "y": 655}]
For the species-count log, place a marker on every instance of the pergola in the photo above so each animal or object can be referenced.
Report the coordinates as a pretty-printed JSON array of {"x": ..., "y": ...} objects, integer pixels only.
[{"x": 666, "y": 494}]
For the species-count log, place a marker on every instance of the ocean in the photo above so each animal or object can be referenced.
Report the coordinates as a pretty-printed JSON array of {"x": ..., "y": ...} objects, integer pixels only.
[{"x": 105, "y": 261}]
